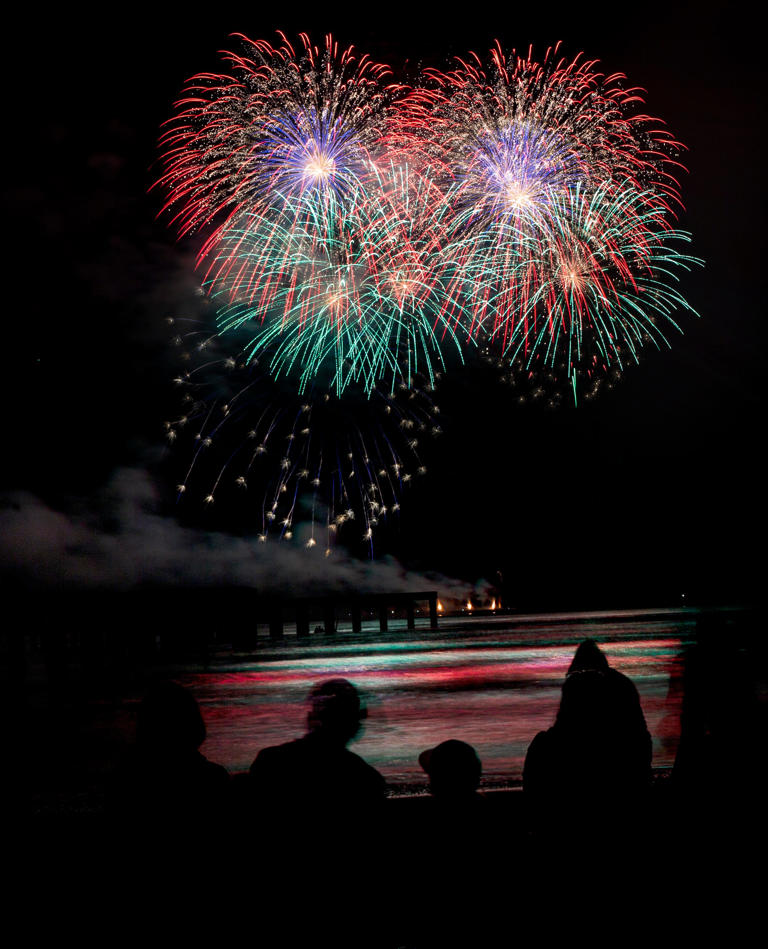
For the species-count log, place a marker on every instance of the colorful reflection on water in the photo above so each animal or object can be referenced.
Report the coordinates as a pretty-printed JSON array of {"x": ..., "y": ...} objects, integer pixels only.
[{"x": 484, "y": 681}]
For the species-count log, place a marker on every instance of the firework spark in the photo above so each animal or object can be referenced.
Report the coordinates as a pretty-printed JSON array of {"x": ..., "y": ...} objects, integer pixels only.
[
  {"x": 561, "y": 195},
  {"x": 356, "y": 299},
  {"x": 358, "y": 237},
  {"x": 276, "y": 128},
  {"x": 337, "y": 466}
]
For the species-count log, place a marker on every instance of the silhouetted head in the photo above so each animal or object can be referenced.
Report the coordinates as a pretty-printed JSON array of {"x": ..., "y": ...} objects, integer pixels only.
[
  {"x": 588, "y": 656},
  {"x": 335, "y": 711},
  {"x": 169, "y": 720},
  {"x": 453, "y": 768}
]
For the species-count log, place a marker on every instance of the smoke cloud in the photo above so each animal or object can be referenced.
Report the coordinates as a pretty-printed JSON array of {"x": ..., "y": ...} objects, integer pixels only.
[{"x": 119, "y": 540}]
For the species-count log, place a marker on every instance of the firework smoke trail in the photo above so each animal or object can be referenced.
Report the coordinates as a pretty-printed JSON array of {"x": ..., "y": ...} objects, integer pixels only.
[{"x": 538, "y": 162}]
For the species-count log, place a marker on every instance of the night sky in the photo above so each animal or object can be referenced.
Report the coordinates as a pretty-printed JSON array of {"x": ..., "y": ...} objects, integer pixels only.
[{"x": 651, "y": 491}]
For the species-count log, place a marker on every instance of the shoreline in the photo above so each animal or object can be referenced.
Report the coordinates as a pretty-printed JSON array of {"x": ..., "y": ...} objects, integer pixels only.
[{"x": 92, "y": 804}]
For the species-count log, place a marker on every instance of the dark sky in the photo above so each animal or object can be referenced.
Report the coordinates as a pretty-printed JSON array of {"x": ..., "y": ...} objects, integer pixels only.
[{"x": 652, "y": 490}]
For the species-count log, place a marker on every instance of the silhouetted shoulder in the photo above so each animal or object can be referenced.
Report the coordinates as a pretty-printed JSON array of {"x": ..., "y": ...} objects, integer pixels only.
[
  {"x": 216, "y": 775},
  {"x": 275, "y": 756},
  {"x": 624, "y": 686},
  {"x": 310, "y": 770},
  {"x": 318, "y": 772},
  {"x": 164, "y": 776},
  {"x": 537, "y": 767},
  {"x": 598, "y": 750}
]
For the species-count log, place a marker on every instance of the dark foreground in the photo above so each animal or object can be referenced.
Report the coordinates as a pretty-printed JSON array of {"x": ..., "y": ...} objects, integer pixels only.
[
  {"x": 682, "y": 861},
  {"x": 680, "y": 867}
]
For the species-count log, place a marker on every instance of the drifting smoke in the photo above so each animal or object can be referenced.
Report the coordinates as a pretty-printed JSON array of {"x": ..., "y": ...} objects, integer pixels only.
[{"x": 118, "y": 540}]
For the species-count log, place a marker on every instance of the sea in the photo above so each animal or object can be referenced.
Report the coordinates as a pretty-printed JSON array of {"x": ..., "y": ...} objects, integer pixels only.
[{"x": 493, "y": 681}]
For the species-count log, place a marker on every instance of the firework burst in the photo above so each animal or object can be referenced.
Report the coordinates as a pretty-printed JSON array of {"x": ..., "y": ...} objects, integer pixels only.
[
  {"x": 561, "y": 195},
  {"x": 325, "y": 254},
  {"x": 606, "y": 283},
  {"x": 515, "y": 128},
  {"x": 278, "y": 127},
  {"x": 358, "y": 299},
  {"x": 357, "y": 237}
]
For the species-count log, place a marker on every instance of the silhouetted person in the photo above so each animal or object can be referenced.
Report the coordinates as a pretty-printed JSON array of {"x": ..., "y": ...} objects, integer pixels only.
[
  {"x": 167, "y": 779},
  {"x": 452, "y": 823},
  {"x": 590, "y": 657},
  {"x": 316, "y": 813},
  {"x": 317, "y": 773},
  {"x": 454, "y": 771},
  {"x": 452, "y": 891},
  {"x": 597, "y": 756}
]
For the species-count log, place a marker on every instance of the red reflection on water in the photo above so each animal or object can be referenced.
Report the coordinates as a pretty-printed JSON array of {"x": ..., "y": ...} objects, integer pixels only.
[{"x": 495, "y": 694}]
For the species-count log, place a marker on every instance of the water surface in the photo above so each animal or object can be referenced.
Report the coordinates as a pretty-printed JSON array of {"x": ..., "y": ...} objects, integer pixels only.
[{"x": 491, "y": 681}]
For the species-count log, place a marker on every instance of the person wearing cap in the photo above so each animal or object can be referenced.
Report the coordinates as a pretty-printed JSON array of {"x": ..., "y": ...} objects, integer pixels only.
[
  {"x": 453, "y": 830},
  {"x": 453, "y": 769},
  {"x": 317, "y": 771}
]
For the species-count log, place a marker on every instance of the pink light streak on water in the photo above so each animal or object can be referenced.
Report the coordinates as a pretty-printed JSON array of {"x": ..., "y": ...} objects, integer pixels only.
[{"x": 481, "y": 687}]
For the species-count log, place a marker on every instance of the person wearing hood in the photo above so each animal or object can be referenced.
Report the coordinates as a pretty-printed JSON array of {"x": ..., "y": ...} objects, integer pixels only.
[{"x": 597, "y": 754}]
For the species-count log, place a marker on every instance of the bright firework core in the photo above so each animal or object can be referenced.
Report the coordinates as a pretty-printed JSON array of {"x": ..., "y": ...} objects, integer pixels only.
[
  {"x": 519, "y": 194},
  {"x": 572, "y": 275},
  {"x": 519, "y": 164},
  {"x": 319, "y": 167}
]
